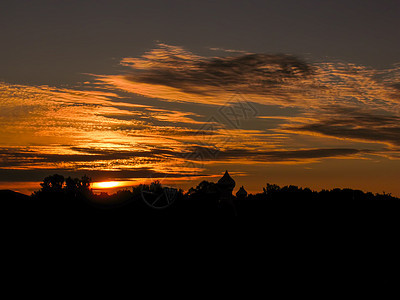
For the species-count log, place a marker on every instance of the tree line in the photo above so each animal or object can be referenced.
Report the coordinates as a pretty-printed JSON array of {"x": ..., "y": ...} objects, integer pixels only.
[{"x": 58, "y": 187}]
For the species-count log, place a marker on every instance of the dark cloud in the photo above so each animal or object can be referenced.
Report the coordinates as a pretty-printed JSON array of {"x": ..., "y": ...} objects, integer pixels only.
[
  {"x": 357, "y": 125},
  {"x": 288, "y": 155},
  {"x": 396, "y": 85},
  {"x": 132, "y": 130},
  {"x": 14, "y": 157},
  {"x": 173, "y": 67},
  {"x": 9, "y": 175},
  {"x": 382, "y": 134},
  {"x": 271, "y": 156}
]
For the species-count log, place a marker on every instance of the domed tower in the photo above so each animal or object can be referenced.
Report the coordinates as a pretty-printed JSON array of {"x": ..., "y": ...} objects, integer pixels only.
[
  {"x": 225, "y": 186},
  {"x": 241, "y": 193}
]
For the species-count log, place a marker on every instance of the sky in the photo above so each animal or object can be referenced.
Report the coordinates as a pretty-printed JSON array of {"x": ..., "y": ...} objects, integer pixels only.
[{"x": 287, "y": 92}]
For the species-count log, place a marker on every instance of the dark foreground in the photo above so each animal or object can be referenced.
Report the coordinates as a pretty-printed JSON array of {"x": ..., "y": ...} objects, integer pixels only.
[
  {"x": 286, "y": 235},
  {"x": 284, "y": 211},
  {"x": 283, "y": 230}
]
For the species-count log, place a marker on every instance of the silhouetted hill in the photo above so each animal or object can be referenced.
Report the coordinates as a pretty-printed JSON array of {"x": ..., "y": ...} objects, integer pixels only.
[
  {"x": 11, "y": 195},
  {"x": 10, "y": 200},
  {"x": 14, "y": 205}
]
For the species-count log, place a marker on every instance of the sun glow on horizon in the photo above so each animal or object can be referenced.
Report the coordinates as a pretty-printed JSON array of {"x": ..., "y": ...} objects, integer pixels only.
[{"x": 107, "y": 184}]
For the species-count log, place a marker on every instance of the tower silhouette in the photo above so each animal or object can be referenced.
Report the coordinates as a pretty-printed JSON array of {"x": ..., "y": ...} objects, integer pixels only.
[{"x": 225, "y": 187}]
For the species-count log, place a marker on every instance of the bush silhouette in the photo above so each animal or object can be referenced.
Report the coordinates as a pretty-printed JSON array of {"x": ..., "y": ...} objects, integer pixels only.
[{"x": 56, "y": 187}]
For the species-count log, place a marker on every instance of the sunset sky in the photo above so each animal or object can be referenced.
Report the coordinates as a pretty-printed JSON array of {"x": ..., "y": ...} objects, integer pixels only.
[{"x": 287, "y": 92}]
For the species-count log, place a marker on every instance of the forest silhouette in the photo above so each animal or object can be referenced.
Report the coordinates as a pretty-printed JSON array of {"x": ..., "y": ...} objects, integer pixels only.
[{"x": 73, "y": 200}]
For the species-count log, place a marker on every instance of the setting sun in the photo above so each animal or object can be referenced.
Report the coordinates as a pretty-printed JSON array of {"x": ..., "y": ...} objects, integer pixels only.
[{"x": 106, "y": 184}]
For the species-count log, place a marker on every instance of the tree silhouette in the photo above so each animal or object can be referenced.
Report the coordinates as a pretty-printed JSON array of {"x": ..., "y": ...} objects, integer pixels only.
[
  {"x": 203, "y": 188},
  {"x": 53, "y": 183},
  {"x": 55, "y": 186}
]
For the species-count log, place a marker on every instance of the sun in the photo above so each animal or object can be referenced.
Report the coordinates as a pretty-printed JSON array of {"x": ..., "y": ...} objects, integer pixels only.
[{"x": 106, "y": 184}]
